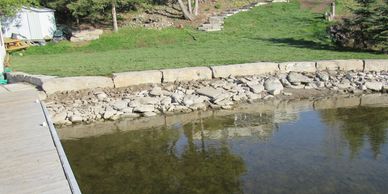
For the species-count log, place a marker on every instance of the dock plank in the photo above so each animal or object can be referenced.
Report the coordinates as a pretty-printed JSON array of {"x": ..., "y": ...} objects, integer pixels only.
[{"x": 29, "y": 159}]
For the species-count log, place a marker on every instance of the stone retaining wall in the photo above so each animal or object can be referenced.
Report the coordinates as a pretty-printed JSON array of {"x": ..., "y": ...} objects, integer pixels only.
[{"x": 52, "y": 84}]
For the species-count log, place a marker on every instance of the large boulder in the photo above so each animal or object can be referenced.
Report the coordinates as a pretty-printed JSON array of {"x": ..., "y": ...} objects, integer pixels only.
[
  {"x": 186, "y": 74},
  {"x": 136, "y": 78},
  {"x": 344, "y": 65},
  {"x": 307, "y": 66},
  {"x": 376, "y": 65},
  {"x": 36, "y": 80},
  {"x": 273, "y": 84},
  {"x": 297, "y": 78},
  {"x": 76, "y": 83},
  {"x": 245, "y": 69}
]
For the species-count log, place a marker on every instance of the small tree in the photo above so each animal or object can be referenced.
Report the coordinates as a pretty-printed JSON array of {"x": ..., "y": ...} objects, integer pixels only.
[
  {"x": 188, "y": 11},
  {"x": 9, "y": 7},
  {"x": 366, "y": 28}
]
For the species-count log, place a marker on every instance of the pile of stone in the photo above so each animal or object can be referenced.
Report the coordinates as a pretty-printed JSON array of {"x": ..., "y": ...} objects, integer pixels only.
[
  {"x": 216, "y": 23},
  {"x": 86, "y": 35},
  {"x": 220, "y": 93}
]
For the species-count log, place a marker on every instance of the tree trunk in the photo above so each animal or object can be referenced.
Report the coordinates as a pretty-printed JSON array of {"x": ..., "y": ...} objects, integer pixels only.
[
  {"x": 190, "y": 8},
  {"x": 186, "y": 14},
  {"x": 196, "y": 6},
  {"x": 114, "y": 16}
]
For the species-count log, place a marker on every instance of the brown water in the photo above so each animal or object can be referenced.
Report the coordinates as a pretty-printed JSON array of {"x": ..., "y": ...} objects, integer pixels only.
[{"x": 341, "y": 150}]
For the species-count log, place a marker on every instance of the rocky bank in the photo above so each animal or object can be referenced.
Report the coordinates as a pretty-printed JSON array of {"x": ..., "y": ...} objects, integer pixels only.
[{"x": 91, "y": 105}]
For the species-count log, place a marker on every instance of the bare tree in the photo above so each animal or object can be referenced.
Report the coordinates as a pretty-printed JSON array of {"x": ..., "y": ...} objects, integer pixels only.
[
  {"x": 188, "y": 11},
  {"x": 114, "y": 16}
]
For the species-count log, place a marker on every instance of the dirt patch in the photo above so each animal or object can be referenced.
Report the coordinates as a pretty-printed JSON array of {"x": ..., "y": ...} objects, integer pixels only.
[{"x": 317, "y": 6}]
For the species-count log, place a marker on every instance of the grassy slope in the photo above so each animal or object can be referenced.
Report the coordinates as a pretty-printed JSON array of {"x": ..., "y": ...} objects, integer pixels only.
[{"x": 278, "y": 32}]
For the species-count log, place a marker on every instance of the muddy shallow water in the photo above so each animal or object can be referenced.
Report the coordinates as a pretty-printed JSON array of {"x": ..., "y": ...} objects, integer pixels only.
[{"x": 335, "y": 145}]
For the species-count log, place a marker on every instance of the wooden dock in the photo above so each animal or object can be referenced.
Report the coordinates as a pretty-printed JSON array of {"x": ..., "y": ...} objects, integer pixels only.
[{"x": 32, "y": 159}]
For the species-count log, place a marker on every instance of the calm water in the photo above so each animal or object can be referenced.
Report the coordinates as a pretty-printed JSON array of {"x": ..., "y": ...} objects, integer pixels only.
[{"x": 341, "y": 150}]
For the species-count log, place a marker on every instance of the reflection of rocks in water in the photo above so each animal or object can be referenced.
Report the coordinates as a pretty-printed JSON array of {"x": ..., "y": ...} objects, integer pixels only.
[
  {"x": 283, "y": 117},
  {"x": 263, "y": 132}
]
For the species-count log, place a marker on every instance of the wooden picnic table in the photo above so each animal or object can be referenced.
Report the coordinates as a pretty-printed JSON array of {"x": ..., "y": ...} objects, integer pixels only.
[{"x": 14, "y": 44}]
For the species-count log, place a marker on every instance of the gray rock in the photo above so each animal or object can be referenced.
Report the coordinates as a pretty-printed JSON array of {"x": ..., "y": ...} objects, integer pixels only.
[
  {"x": 375, "y": 86},
  {"x": 323, "y": 76},
  {"x": 273, "y": 84},
  {"x": 156, "y": 91},
  {"x": 193, "y": 99},
  {"x": 131, "y": 115},
  {"x": 120, "y": 105},
  {"x": 76, "y": 118},
  {"x": 149, "y": 114},
  {"x": 109, "y": 114},
  {"x": 144, "y": 108},
  {"x": 209, "y": 92},
  {"x": 275, "y": 92},
  {"x": 101, "y": 96},
  {"x": 296, "y": 78},
  {"x": 60, "y": 118},
  {"x": 257, "y": 88}
]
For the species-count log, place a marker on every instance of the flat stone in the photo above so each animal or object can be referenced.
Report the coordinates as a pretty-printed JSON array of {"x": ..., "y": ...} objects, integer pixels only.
[
  {"x": 144, "y": 108},
  {"x": 297, "y": 67},
  {"x": 209, "y": 92},
  {"x": 149, "y": 114},
  {"x": 109, "y": 114},
  {"x": 375, "y": 86},
  {"x": 156, "y": 91},
  {"x": 76, "y": 83},
  {"x": 256, "y": 88},
  {"x": 343, "y": 65},
  {"x": 186, "y": 74},
  {"x": 376, "y": 65},
  {"x": 294, "y": 77},
  {"x": 120, "y": 105},
  {"x": 323, "y": 76},
  {"x": 75, "y": 118},
  {"x": 136, "y": 78},
  {"x": 59, "y": 118},
  {"x": 258, "y": 68}
]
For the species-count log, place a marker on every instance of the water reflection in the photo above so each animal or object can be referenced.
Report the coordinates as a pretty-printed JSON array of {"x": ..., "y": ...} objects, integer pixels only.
[
  {"x": 359, "y": 126},
  {"x": 308, "y": 147}
]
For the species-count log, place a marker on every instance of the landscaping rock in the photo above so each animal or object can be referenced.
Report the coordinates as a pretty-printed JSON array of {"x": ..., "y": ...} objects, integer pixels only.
[
  {"x": 376, "y": 65},
  {"x": 257, "y": 88},
  {"x": 76, "y": 83},
  {"x": 144, "y": 108},
  {"x": 136, "y": 78},
  {"x": 260, "y": 68},
  {"x": 120, "y": 105},
  {"x": 209, "y": 92},
  {"x": 186, "y": 74},
  {"x": 273, "y": 84},
  {"x": 375, "y": 86},
  {"x": 297, "y": 67},
  {"x": 296, "y": 78}
]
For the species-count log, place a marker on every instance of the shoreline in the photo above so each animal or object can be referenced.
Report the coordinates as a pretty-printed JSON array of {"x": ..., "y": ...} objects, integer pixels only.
[
  {"x": 88, "y": 106},
  {"x": 275, "y": 106}
]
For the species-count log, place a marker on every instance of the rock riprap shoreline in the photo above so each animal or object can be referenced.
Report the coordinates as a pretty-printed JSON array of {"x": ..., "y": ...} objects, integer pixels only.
[{"x": 91, "y": 105}]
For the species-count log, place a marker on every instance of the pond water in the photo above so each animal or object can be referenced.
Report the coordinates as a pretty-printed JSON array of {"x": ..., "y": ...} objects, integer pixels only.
[{"x": 302, "y": 149}]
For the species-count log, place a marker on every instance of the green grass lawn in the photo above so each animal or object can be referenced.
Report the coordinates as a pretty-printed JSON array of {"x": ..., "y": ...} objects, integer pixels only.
[{"x": 277, "y": 32}]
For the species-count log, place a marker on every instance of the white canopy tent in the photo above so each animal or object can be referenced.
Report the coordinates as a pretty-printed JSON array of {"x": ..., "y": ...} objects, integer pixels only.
[{"x": 31, "y": 24}]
